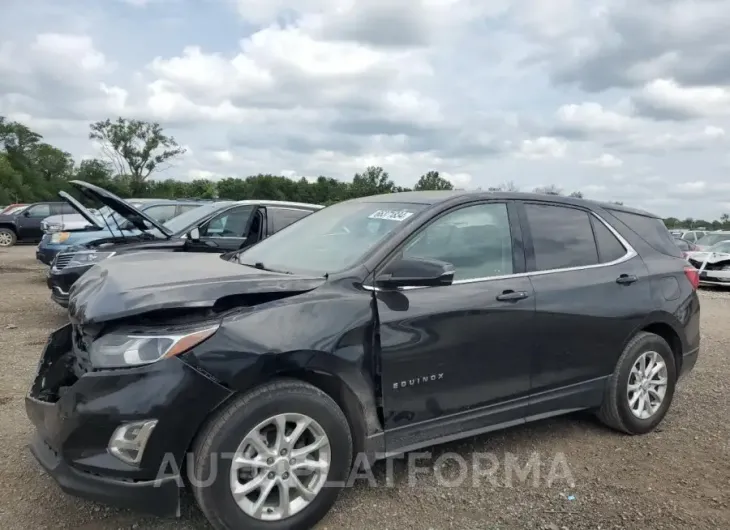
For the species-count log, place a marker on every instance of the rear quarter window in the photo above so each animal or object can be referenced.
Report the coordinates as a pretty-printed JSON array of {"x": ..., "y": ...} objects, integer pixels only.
[{"x": 650, "y": 229}]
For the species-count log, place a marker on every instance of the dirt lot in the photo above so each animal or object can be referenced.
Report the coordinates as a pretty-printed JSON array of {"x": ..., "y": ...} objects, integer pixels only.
[{"x": 677, "y": 477}]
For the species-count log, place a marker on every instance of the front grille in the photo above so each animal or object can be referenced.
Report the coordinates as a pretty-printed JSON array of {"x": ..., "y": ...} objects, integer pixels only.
[
  {"x": 709, "y": 267},
  {"x": 62, "y": 260}
]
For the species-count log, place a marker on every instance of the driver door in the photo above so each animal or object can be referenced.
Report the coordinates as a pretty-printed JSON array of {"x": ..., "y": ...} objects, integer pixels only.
[
  {"x": 29, "y": 222},
  {"x": 457, "y": 358},
  {"x": 226, "y": 231}
]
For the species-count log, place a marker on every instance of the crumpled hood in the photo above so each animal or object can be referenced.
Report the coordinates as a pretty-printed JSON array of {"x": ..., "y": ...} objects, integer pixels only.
[
  {"x": 138, "y": 283},
  {"x": 711, "y": 257}
]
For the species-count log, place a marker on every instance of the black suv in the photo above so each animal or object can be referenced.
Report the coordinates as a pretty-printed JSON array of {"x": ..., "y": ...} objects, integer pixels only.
[
  {"x": 25, "y": 226},
  {"x": 369, "y": 328}
]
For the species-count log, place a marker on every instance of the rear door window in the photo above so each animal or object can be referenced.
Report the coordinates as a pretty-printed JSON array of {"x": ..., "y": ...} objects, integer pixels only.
[
  {"x": 562, "y": 237},
  {"x": 609, "y": 247},
  {"x": 650, "y": 229},
  {"x": 283, "y": 217}
]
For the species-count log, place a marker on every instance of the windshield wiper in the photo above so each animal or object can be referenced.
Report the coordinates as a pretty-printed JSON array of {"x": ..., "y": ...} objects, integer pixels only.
[{"x": 259, "y": 265}]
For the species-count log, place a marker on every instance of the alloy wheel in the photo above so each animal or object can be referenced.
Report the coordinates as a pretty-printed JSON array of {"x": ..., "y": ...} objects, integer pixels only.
[
  {"x": 5, "y": 239},
  {"x": 280, "y": 467},
  {"x": 647, "y": 385}
]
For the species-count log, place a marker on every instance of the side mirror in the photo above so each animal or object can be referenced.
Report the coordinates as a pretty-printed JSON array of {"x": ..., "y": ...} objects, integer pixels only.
[
  {"x": 194, "y": 234},
  {"x": 26, "y": 213},
  {"x": 416, "y": 272}
]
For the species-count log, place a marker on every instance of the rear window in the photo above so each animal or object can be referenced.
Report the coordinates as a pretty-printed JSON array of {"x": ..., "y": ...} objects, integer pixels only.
[{"x": 650, "y": 229}]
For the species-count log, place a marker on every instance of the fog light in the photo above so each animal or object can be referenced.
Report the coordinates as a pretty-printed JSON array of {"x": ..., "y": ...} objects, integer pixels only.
[{"x": 129, "y": 440}]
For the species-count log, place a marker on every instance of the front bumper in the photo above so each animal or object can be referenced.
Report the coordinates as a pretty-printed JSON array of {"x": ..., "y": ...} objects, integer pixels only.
[
  {"x": 76, "y": 411},
  {"x": 60, "y": 282},
  {"x": 46, "y": 254},
  {"x": 715, "y": 277}
]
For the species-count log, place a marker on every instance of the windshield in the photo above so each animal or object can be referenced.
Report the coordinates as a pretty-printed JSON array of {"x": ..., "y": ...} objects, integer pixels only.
[
  {"x": 711, "y": 239},
  {"x": 720, "y": 247},
  {"x": 186, "y": 219},
  {"x": 331, "y": 239}
]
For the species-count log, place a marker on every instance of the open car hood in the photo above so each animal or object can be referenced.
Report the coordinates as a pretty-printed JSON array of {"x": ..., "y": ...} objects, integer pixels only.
[
  {"x": 133, "y": 284},
  {"x": 139, "y": 219},
  {"x": 83, "y": 210}
]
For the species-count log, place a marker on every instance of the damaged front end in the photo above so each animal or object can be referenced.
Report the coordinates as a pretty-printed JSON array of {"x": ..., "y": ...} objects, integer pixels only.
[
  {"x": 714, "y": 268},
  {"x": 88, "y": 423}
]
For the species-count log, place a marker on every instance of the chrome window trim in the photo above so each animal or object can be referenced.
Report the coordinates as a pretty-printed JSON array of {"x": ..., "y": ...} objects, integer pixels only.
[{"x": 630, "y": 253}]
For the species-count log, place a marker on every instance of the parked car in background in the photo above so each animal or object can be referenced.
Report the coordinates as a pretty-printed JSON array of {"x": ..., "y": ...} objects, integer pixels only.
[
  {"x": 15, "y": 210},
  {"x": 73, "y": 222},
  {"x": 690, "y": 235},
  {"x": 712, "y": 238},
  {"x": 25, "y": 226},
  {"x": 685, "y": 246},
  {"x": 713, "y": 264},
  {"x": 115, "y": 225},
  {"x": 372, "y": 327},
  {"x": 12, "y": 208},
  {"x": 216, "y": 227}
]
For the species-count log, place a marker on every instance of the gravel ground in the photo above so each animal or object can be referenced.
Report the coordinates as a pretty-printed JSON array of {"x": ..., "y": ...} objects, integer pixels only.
[{"x": 676, "y": 477}]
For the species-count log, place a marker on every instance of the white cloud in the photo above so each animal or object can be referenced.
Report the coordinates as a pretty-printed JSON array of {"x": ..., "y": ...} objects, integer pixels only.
[
  {"x": 613, "y": 95},
  {"x": 542, "y": 148},
  {"x": 606, "y": 160}
]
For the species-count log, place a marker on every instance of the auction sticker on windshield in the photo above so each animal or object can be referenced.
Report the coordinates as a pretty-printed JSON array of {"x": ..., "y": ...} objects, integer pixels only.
[{"x": 391, "y": 215}]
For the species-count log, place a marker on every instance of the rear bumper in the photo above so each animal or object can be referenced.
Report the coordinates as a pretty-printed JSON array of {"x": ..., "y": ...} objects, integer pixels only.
[
  {"x": 689, "y": 360},
  {"x": 156, "y": 497}
]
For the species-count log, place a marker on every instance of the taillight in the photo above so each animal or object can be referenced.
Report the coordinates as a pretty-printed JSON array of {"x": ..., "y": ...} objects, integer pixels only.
[{"x": 693, "y": 275}]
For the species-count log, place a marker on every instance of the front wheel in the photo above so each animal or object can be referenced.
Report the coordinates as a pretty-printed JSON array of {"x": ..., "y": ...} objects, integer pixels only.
[
  {"x": 275, "y": 458},
  {"x": 641, "y": 389},
  {"x": 7, "y": 237}
]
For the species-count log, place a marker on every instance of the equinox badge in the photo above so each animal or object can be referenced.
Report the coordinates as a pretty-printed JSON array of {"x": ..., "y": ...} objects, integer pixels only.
[{"x": 417, "y": 381}]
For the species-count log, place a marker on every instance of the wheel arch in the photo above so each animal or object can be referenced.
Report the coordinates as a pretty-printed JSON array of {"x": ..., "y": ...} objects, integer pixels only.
[
  {"x": 9, "y": 226},
  {"x": 668, "y": 328}
]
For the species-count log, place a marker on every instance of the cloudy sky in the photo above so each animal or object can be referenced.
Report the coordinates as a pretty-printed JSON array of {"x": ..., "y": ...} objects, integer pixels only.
[{"x": 621, "y": 100}]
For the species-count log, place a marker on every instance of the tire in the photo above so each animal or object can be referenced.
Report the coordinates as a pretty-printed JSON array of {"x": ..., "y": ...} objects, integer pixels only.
[
  {"x": 7, "y": 238},
  {"x": 615, "y": 410},
  {"x": 227, "y": 430}
]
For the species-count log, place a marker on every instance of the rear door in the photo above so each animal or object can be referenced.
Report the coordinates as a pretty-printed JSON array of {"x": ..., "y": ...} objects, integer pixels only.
[{"x": 592, "y": 291}]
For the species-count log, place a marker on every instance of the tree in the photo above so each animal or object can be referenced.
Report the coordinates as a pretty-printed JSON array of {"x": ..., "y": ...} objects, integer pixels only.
[
  {"x": 374, "y": 181},
  {"x": 135, "y": 147},
  {"x": 725, "y": 218},
  {"x": 551, "y": 189},
  {"x": 577, "y": 194},
  {"x": 505, "y": 186},
  {"x": 432, "y": 181}
]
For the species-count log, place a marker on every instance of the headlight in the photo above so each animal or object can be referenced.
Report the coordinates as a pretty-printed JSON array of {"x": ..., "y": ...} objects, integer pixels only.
[
  {"x": 726, "y": 267},
  {"x": 60, "y": 237},
  {"x": 88, "y": 258},
  {"x": 123, "y": 350},
  {"x": 51, "y": 227}
]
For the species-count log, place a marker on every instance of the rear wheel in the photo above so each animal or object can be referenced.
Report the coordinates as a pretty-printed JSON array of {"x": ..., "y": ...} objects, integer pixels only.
[
  {"x": 641, "y": 389},
  {"x": 7, "y": 237},
  {"x": 274, "y": 458}
]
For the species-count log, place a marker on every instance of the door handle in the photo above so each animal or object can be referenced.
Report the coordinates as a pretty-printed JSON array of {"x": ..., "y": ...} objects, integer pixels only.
[
  {"x": 626, "y": 279},
  {"x": 512, "y": 296}
]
